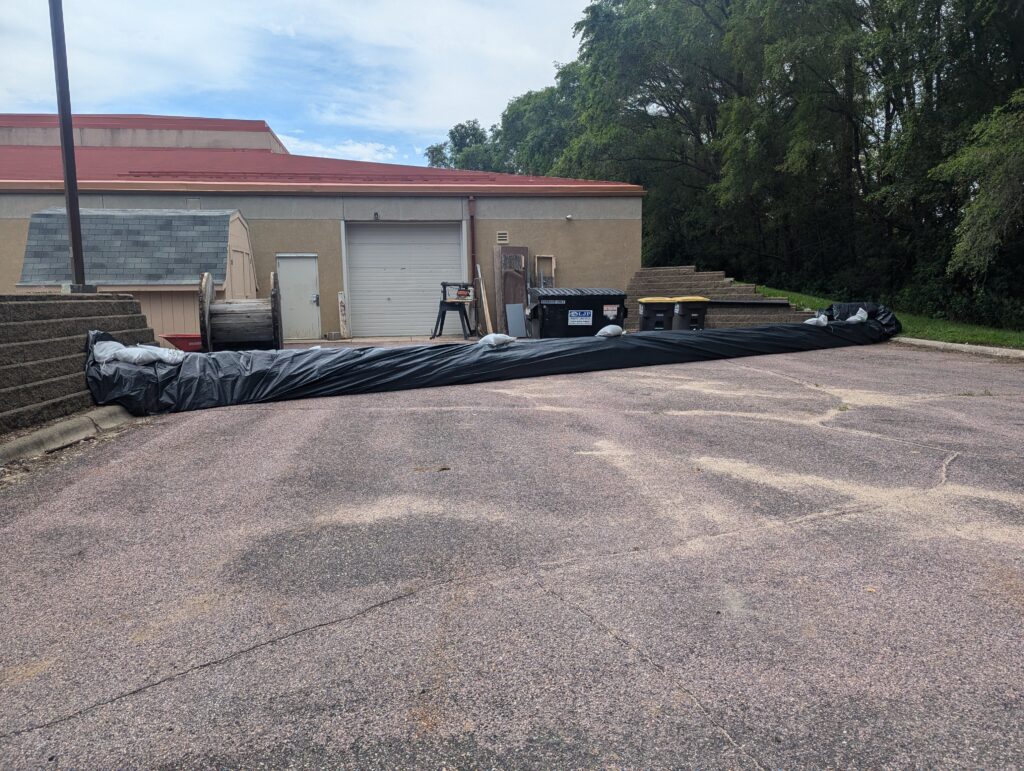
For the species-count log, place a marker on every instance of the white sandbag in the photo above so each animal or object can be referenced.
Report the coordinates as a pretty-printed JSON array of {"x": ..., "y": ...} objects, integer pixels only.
[
  {"x": 612, "y": 330},
  {"x": 818, "y": 321},
  {"x": 859, "y": 317},
  {"x": 495, "y": 340},
  {"x": 108, "y": 350}
]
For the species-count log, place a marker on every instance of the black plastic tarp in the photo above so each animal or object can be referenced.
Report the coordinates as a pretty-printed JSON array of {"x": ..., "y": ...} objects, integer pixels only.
[
  {"x": 879, "y": 313},
  {"x": 246, "y": 377}
]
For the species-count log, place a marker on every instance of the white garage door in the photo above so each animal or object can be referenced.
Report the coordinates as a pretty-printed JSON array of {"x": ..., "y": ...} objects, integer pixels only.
[{"x": 395, "y": 274}]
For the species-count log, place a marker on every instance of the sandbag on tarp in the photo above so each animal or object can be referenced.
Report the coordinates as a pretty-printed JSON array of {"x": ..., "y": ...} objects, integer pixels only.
[
  {"x": 246, "y": 377},
  {"x": 881, "y": 314}
]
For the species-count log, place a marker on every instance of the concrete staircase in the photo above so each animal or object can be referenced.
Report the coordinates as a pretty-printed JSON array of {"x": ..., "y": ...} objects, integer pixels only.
[
  {"x": 42, "y": 351},
  {"x": 741, "y": 306}
]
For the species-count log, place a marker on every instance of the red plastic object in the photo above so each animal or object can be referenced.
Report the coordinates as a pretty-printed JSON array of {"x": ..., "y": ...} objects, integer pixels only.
[{"x": 185, "y": 342}]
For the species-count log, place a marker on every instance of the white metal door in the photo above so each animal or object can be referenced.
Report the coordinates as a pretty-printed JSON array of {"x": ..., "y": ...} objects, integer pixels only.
[
  {"x": 395, "y": 274},
  {"x": 300, "y": 296}
]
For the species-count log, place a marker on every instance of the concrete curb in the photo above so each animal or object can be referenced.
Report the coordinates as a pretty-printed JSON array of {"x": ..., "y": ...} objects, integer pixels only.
[
  {"x": 64, "y": 433},
  {"x": 977, "y": 350}
]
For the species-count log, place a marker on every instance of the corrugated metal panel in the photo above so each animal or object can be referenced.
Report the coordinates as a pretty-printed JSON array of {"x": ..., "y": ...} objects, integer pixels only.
[{"x": 395, "y": 274}]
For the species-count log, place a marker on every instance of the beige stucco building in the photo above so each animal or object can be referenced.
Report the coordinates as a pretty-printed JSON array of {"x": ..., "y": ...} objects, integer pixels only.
[{"x": 380, "y": 236}]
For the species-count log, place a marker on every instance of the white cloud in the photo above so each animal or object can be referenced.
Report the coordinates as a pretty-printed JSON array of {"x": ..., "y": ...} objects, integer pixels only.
[
  {"x": 449, "y": 61},
  {"x": 349, "y": 149},
  {"x": 118, "y": 51},
  {"x": 391, "y": 66}
]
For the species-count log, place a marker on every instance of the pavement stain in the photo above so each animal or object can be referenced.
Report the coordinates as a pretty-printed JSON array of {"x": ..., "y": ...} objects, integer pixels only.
[
  {"x": 1008, "y": 583},
  {"x": 22, "y": 673},
  {"x": 183, "y": 611},
  {"x": 934, "y": 507},
  {"x": 658, "y": 483},
  {"x": 434, "y": 709},
  {"x": 332, "y": 556}
]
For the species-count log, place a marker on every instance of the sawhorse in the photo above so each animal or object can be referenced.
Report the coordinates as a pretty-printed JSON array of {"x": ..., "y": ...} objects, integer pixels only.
[{"x": 442, "y": 311}]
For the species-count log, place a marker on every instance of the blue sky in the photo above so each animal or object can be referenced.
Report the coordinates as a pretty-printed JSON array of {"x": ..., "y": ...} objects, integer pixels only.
[{"x": 360, "y": 80}]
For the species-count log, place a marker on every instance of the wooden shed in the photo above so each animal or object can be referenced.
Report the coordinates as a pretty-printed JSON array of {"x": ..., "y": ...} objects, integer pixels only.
[{"x": 155, "y": 254}]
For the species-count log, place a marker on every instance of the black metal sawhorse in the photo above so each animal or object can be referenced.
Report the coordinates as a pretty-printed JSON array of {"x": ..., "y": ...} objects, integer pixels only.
[{"x": 442, "y": 311}]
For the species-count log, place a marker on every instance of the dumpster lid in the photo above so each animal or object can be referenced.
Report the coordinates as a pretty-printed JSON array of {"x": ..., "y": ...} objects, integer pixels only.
[
  {"x": 657, "y": 300},
  {"x": 553, "y": 291},
  {"x": 691, "y": 298}
]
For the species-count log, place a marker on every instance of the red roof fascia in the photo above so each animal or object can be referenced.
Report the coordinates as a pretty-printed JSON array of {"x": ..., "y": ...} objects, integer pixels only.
[{"x": 197, "y": 169}]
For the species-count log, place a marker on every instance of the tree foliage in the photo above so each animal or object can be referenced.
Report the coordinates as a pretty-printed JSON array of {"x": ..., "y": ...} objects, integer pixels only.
[
  {"x": 868, "y": 148},
  {"x": 990, "y": 172}
]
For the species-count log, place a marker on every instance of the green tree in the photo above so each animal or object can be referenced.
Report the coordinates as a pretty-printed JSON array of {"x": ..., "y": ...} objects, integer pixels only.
[
  {"x": 837, "y": 146},
  {"x": 468, "y": 147},
  {"x": 989, "y": 171}
]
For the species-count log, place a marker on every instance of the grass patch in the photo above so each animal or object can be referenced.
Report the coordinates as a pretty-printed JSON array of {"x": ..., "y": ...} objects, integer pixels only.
[{"x": 920, "y": 326}]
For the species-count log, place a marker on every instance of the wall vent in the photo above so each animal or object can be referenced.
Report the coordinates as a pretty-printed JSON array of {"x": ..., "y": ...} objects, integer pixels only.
[{"x": 502, "y": 236}]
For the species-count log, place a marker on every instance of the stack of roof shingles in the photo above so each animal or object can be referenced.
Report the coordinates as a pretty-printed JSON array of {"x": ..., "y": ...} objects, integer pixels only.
[{"x": 129, "y": 246}]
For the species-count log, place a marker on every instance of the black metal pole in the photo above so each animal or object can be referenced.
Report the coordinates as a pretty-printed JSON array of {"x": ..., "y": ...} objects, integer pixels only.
[{"x": 67, "y": 141}]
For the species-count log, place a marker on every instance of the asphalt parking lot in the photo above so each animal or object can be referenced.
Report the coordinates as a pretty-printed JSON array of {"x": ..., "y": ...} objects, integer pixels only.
[{"x": 803, "y": 560}]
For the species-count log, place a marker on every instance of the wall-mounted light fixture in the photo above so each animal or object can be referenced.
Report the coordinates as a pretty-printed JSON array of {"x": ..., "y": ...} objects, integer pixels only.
[{"x": 568, "y": 217}]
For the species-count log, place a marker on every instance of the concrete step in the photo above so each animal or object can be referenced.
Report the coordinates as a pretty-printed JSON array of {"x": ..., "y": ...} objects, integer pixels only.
[
  {"x": 747, "y": 307},
  {"x": 682, "y": 278},
  {"x": 684, "y": 286},
  {"x": 766, "y": 311},
  {"x": 669, "y": 270},
  {"x": 694, "y": 279},
  {"x": 63, "y": 309},
  {"x": 44, "y": 390},
  {"x": 660, "y": 286},
  {"x": 38, "y": 350},
  {"x": 743, "y": 324},
  {"x": 740, "y": 317},
  {"x": 712, "y": 293},
  {"x": 680, "y": 271},
  {"x": 51, "y": 296},
  {"x": 33, "y": 414},
  {"x": 25, "y": 331},
  {"x": 754, "y": 318},
  {"x": 24, "y": 373}
]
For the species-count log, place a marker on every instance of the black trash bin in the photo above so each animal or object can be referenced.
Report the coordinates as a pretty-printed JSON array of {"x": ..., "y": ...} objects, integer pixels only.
[
  {"x": 569, "y": 312},
  {"x": 690, "y": 312},
  {"x": 656, "y": 313}
]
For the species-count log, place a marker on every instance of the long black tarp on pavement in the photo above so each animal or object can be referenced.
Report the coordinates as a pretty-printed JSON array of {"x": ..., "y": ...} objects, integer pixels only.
[{"x": 219, "y": 379}]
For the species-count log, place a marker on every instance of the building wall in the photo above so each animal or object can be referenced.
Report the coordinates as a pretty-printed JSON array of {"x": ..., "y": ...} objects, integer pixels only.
[
  {"x": 598, "y": 246},
  {"x": 13, "y": 237},
  {"x": 588, "y": 253},
  {"x": 319, "y": 237},
  {"x": 138, "y": 137}
]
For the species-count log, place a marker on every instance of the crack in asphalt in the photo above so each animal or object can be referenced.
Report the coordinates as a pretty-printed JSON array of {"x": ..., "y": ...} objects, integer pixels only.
[
  {"x": 944, "y": 475},
  {"x": 663, "y": 670},
  {"x": 822, "y": 424},
  {"x": 831, "y": 513},
  {"x": 221, "y": 660},
  {"x": 481, "y": 575}
]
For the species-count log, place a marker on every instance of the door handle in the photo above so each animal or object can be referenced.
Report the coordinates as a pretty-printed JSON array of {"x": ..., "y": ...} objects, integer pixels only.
[{"x": 315, "y": 299}]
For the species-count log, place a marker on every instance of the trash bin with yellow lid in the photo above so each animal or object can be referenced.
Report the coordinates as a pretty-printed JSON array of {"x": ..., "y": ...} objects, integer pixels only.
[
  {"x": 690, "y": 312},
  {"x": 656, "y": 313}
]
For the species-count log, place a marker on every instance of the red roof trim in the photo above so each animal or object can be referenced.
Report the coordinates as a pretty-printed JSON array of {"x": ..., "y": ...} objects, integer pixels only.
[
  {"x": 597, "y": 189},
  {"x": 198, "y": 169}
]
